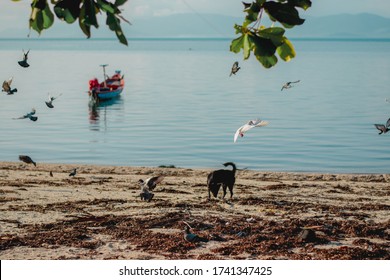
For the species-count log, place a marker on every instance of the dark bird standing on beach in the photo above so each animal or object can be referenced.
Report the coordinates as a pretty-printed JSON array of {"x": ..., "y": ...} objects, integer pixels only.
[
  {"x": 151, "y": 182},
  {"x": 235, "y": 68},
  {"x": 29, "y": 115},
  {"x": 23, "y": 62},
  {"x": 289, "y": 85},
  {"x": 193, "y": 238},
  {"x": 7, "y": 87},
  {"x": 51, "y": 99},
  {"x": 73, "y": 173},
  {"x": 383, "y": 128},
  {"x": 27, "y": 159}
]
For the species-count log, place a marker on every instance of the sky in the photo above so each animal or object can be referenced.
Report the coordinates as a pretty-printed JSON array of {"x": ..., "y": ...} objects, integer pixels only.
[
  {"x": 137, "y": 8},
  {"x": 234, "y": 7},
  {"x": 16, "y": 14}
]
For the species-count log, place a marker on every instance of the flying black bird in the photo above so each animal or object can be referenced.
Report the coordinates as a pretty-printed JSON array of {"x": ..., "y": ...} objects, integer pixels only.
[
  {"x": 7, "y": 87},
  {"x": 289, "y": 85},
  {"x": 235, "y": 68},
  {"x": 23, "y": 62},
  {"x": 73, "y": 172},
  {"x": 383, "y": 128},
  {"x": 51, "y": 99},
  {"x": 27, "y": 159},
  {"x": 193, "y": 238},
  {"x": 29, "y": 115},
  {"x": 151, "y": 182}
]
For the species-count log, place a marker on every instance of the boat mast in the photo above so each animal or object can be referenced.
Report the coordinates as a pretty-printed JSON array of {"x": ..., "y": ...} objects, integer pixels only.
[{"x": 104, "y": 73}]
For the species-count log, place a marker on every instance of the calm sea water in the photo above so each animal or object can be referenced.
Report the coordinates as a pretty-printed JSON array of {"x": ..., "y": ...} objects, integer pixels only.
[{"x": 181, "y": 107}]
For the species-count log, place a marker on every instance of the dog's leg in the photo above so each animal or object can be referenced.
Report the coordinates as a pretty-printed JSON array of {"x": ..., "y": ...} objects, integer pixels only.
[
  {"x": 224, "y": 186},
  {"x": 231, "y": 191}
]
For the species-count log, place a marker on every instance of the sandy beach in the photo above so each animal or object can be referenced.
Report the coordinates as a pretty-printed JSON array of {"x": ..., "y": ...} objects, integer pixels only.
[{"x": 98, "y": 214}]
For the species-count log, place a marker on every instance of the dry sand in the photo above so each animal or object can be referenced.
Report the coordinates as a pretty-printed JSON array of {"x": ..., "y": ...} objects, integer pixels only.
[{"x": 98, "y": 214}]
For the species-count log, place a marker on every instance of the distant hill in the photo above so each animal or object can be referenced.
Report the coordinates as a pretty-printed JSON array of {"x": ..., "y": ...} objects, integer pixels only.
[
  {"x": 343, "y": 26},
  {"x": 209, "y": 25}
]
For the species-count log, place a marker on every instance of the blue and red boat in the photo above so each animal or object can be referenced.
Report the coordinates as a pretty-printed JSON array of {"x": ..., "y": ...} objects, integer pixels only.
[{"x": 110, "y": 88}]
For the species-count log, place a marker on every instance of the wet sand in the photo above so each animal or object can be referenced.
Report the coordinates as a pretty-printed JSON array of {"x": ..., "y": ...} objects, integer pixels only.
[{"x": 98, "y": 214}]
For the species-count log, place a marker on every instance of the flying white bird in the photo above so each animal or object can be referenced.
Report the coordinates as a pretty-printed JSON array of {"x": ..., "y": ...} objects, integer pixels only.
[{"x": 249, "y": 125}]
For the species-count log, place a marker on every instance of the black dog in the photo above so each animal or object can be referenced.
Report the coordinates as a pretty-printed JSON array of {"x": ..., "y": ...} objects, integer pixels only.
[{"x": 223, "y": 177}]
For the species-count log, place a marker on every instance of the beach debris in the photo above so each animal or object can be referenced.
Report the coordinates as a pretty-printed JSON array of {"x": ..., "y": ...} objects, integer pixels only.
[
  {"x": 307, "y": 235},
  {"x": 289, "y": 85},
  {"x": 383, "y": 128},
  {"x": 27, "y": 159},
  {"x": 235, "y": 68},
  {"x": 23, "y": 62},
  {"x": 7, "y": 87},
  {"x": 51, "y": 99},
  {"x": 249, "y": 125},
  {"x": 73, "y": 172},
  {"x": 151, "y": 182},
  {"x": 192, "y": 237},
  {"x": 29, "y": 115}
]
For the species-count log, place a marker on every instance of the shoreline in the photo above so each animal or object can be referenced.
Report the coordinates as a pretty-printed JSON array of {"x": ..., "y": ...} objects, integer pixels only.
[{"x": 98, "y": 214}]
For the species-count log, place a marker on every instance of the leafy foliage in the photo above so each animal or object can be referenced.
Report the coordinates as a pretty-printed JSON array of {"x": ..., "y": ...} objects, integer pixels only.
[
  {"x": 265, "y": 42},
  {"x": 85, "y": 11}
]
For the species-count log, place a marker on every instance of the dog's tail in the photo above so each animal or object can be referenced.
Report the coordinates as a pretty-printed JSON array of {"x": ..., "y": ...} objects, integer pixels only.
[{"x": 232, "y": 165}]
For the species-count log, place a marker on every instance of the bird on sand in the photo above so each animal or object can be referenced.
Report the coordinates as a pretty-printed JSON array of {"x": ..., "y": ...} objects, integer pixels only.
[
  {"x": 289, "y": 85},
  {"x": 29, "y": 115},
  {"x": 49, "y": 103},
  {"x": 235, "y": 68},
  {"x": 23, "y": 62},
  {"x": 73, "y": 172},
  {"x": 151, "y": 182},
  {"x": 383, "y": 128},
  {"x": 192, "y": 237},
  {"x": 249, "y": 125},
  {"x": 27, "y": 159},
  {"x": 7, "y": 87}
]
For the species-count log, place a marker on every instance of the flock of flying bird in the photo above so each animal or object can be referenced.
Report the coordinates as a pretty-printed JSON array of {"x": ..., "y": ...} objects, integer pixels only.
[
  {"x": 253, "y": 123},
  {"x": 6, "y": 87},
  {"x": 383, "y": 128}
]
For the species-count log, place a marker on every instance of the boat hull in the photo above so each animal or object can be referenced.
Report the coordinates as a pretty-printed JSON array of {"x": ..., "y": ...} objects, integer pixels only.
[{"x": 104, "y": 95}]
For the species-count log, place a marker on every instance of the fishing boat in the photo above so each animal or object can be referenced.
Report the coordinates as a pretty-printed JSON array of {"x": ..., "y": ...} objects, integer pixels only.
[{"x": 111, "y": 87}]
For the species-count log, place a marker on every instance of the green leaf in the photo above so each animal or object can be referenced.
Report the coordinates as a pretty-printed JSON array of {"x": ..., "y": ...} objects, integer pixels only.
[
  {"x": 36, "y": 20},
  {"x": 237, "y": 44},
  {"x": 252, "y": 14},
  {"x": 89, "y": 13},
  {"x": 286, "y": 50},
  {"x": 84, "y": 27},
  {"x": 114, "y": 24},
  {"x": 275, "y": 34},
  {"x": 120, "y": 2},
  {"x": 304, "y": 4},
  {"x": 263, "y": 47},
  {"x": 68, "y": 10},
  {"x": 107, "y": 7},
  {"x": 41, "y": 16},
  {"x": 267, "y": 61},
  {"x": 286, "y": 14},
  {"x": 248, "y": 45},
  {"x": 48, "y": 17}
]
